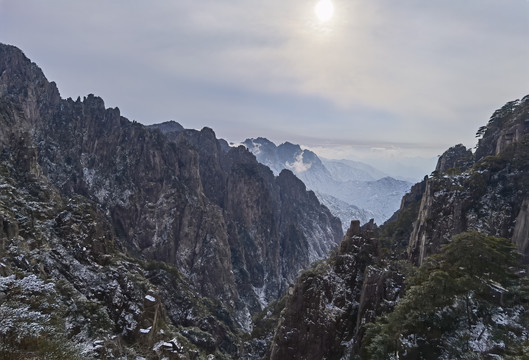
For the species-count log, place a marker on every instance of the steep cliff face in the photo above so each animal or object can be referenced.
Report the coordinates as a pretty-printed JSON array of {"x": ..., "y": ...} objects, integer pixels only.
[
  {"x": 486, "y": 193},
  {"x": 275, "y": 227},
  {"x": 67, "y": 291},
  {"x": 178, "y": 196},
  {"x": 521, "y": 229},
  {"x": 506, "y": 126},
  {"x": 326, "y": 310},
  {"x": 25, "y": 94},
  {"x": 457, "y": 158}
]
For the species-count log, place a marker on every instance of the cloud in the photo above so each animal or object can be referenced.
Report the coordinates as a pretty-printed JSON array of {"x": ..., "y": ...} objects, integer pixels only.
[
  {"x": 298, "y": 166},
  {"x": 405, "y": 71}
]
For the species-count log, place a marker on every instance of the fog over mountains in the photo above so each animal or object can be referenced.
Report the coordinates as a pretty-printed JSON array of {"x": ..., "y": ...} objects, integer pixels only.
[{"x": 351, "y": 190}]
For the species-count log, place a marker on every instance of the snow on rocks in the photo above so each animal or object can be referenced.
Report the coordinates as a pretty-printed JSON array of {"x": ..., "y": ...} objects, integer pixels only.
[{"x": 146, "y": 331}]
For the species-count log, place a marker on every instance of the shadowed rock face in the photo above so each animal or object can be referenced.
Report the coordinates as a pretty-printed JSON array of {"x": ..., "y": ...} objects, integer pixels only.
[
  {"x": 486, "y": 193},
  {"x": 60, "y": 259},
  {"x": 275, "y": 227},
  {"x": 330, "y": 303},
  {"x": 457, "y": 157},
  {"x": 239, "y": 234},
  {"x": 521, "y": 230}
]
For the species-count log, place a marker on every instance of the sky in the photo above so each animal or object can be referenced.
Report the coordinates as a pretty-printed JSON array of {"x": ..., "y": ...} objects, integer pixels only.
[{"x": 390, "y": 82}]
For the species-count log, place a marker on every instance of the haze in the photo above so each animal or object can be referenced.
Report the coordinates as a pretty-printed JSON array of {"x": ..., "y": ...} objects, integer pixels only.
[{"x": 392, "y": 83}]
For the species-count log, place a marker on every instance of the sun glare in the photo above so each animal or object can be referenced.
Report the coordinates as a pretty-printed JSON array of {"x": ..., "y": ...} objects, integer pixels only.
[{"x": 324, "y": 10}]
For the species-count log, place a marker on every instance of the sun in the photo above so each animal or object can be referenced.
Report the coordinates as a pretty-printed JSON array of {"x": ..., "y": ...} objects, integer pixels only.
[{"x": 324, "y": 10}]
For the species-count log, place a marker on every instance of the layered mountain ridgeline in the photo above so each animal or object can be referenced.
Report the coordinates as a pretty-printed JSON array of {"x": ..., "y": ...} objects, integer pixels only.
[
  {"x": 351, "y": 190},
  {"x": 209, "y": 231},
  {"x": 118, "y": 241},
  {"x": 465, "y": 225}
]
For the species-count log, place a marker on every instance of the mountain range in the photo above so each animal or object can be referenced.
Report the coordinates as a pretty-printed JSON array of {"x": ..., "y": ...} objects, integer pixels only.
[
  {"x": 133, "y": 219},
  {"x": 125, "y": 241},
  {"x": 452, "y": 282},
  {"x": 351, "y": 190}
]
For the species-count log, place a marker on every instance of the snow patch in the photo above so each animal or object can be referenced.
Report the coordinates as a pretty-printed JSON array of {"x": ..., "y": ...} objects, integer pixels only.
[{"x": 146, "y": 331}]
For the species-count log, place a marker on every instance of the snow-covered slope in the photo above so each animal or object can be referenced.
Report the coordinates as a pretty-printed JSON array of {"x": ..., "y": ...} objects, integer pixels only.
[
  {"x": 344, "y": 210},
  {"x": 350, "y": 189},
  {"x": 350, "y": 170}
]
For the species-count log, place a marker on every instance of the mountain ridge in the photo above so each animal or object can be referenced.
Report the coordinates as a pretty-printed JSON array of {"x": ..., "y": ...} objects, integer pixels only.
[
  {"x": 359, "y": 189},
  {"x": 124, "y": 241},
  {"x": 178, "y": 202},
  {"x": 460, "y": 239}
]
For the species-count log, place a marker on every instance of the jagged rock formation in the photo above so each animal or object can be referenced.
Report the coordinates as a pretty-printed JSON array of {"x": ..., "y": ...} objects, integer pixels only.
[
  {"x": 233, "y": 231},
  {"x": 354, "y": 191},
  {"x": 160, "y": 242},
  {"x": 506, "y": 126},
  {"x": 486, "y": 193},
  {"x": 264, "y": 211},
  {"x": 457, "y": 158},
  {"x": 325, "y": 311},
  {"x": 67, "y": 290}
]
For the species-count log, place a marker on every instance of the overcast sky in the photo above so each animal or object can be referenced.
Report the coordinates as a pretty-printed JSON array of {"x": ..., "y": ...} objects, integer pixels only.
[{"x": 382, "y": 79}]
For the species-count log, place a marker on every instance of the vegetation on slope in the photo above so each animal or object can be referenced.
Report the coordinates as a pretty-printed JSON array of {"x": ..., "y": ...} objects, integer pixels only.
[{"x": 467, "y": 301}]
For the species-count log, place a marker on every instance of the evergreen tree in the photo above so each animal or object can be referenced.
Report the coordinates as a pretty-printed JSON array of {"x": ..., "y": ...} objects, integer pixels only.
[{"x": 469, "y": 299}]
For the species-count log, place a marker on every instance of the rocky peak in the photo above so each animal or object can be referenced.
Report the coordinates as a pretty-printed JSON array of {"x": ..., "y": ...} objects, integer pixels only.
[
  {"x": 167, "y": 127},
  {"x": 326, "y": 310},
  {"x": 506, "y": 126},
  {"x": 487, "y": 197},
  {"x": 457, "y": 157},
  {"x": 24, "y": 82}
]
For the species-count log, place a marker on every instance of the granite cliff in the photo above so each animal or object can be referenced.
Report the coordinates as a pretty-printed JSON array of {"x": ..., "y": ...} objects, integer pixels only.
[
  {"x": 485, "y": 191},
  {"x": 373, "y": 297},
  {"x": 207, "y": 218},
  {"x": 119, "y": 240}
]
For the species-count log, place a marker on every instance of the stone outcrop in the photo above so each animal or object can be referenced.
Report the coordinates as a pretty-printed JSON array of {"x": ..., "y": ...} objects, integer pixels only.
[
  {"x": 520, "y": 234},
  {"x": 506, "y": 126},
  {"x": 458, "y": 158},
  {"x": 326, "y": 310},
  {"x": 487, "y": 196}
]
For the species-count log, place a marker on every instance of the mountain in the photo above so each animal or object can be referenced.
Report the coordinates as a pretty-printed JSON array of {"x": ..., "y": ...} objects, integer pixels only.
[
  {"x": 149, "y": 240},
  {"x": 362, "y": 191},
  {"x": 350, "y": 170},
  {"x": 122, "y": 241},
  {"x": 338, "y": 295},
  {"x": 485, "y": 191},
  {"x": 344, "y": 210},
  {"x": 444, "y": 278}
]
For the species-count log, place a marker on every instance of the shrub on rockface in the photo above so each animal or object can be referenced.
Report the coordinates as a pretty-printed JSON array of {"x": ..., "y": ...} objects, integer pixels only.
[
  {"x": 470, "y": 299},
  {"x": 30, "y": 321}
]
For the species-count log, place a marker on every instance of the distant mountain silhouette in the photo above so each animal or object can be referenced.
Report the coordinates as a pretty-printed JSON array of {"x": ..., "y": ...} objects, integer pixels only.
[{"x": 352, "y": 190}]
